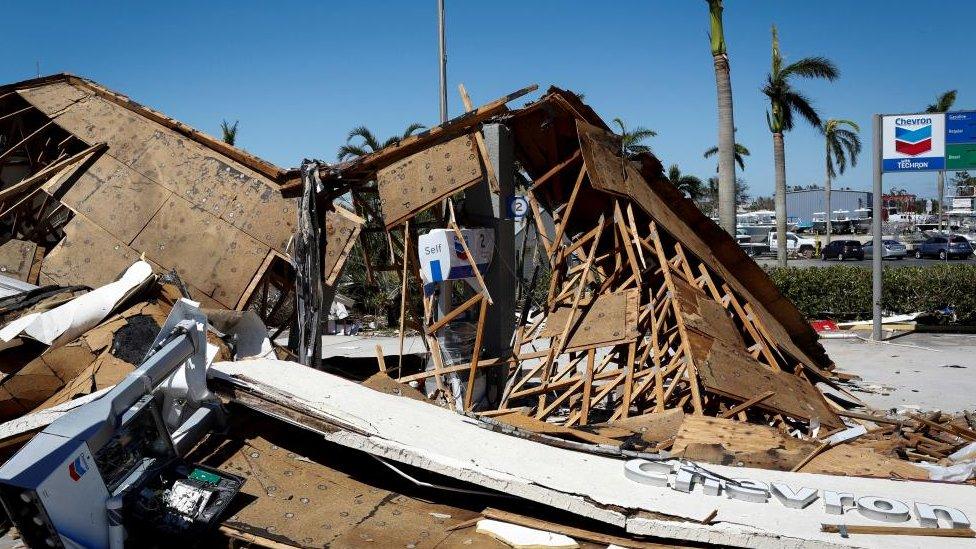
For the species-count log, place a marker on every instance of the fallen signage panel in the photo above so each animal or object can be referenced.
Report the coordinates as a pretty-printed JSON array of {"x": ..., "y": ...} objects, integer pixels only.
[{"x": 401, "y": 429}]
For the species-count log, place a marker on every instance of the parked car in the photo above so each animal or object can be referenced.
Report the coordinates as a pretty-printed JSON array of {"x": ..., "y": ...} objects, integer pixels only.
[
  {"x": 842, "y": 249},
  {"x": 944, "y": 247},
  {"x": 795, "y": 245},
  {"x": 892, "y": 249}
]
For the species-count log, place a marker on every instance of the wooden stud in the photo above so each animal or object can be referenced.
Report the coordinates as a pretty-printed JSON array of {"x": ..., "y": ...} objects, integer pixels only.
[
  {"x": 380, "y": 360},
  {"x": 475, "y": 354},
  {"x": 480, "y": 140},
  {"x": 403, "y": 292}
]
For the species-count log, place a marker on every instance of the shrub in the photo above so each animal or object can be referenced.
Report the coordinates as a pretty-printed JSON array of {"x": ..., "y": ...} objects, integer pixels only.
[{"x": 844, "y": 292}]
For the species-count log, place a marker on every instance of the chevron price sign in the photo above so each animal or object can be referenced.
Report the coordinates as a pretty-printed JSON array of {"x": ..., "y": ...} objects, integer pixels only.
[{"x": 913, "y": 142}]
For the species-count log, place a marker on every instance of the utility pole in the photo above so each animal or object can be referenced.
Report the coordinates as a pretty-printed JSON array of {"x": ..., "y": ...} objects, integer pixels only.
[
  {"x": 442, "y": 58},
  {"x": 878, "y": 189}
]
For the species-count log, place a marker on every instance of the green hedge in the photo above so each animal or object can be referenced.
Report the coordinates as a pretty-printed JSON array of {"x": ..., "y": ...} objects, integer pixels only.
[{"x": 844, "y": 292}]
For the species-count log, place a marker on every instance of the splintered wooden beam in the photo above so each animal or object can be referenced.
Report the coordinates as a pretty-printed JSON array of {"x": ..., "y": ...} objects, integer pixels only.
[
  {"x": 555, "y": 170},
  {"x": 728, "y": 299},
  {"x": 751, "y": 402},
  {"x": 25, "y": 140},
  {"x": 403, "y": 292},
  {"x": 564, "y": 218},
  {"x": 618, "y": 218},
  {"x": 380, "y": 360},
  {"x": 454, "y": 313},
  {"x": 479, "y": 139},
  {"x": 587, "y": 387},
  {"x": 679, "y": 320},
  {"x": 475, "y": 354}
]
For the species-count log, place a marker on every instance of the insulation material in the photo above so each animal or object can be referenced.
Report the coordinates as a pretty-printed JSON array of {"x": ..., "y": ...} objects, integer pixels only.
[
  {"x": 521, "y": 537},
  {"x": 79, "y": 315}
]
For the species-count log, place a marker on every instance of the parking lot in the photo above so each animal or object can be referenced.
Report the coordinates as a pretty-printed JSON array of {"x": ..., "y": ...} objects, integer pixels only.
[{"x": 866, "y": 263}]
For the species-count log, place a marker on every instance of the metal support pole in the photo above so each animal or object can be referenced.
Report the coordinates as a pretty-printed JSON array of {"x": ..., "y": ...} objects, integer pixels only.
[
  {"x": 442, "y": 58},
  {"x": 876, "y": 230},
  {"x": 500, "y": 278}
]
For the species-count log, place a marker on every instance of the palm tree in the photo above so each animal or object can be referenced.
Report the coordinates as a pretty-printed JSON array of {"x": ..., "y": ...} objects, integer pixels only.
[
  {"x": 942, "y": 104},
  {"x": 784, "y": 102},
  {"x": 727, "y": 154},
  {"x": 229, "y": 131},
  {"x": 632, "y": 141},
  {"x": 690, "y": 185},
  {"x": 843, "y": 145},
  {"x": 740, "y": 152},
  {"x": 369, "y": 143}
]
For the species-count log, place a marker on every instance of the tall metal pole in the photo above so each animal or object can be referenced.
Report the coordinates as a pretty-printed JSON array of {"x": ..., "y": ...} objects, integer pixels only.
[
  {"x": 442, "y": 58},
  {"x": 876, "y": 229}
]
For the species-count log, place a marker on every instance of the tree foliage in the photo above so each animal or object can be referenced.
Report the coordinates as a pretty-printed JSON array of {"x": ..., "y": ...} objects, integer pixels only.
[
  {"x": 229, "y": 131},
  {"x": 785, "y": 100},
  {"x": 843, "y": 145},
  {"x": 632, "y": 140},
  {"x": 367, "y": 141}
]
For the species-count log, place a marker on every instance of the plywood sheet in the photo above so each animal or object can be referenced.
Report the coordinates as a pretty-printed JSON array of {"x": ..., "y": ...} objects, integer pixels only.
[
  {"x": 341, "y": 230},
  {"x": 420, "y": 180},
  {"x": 116, "y": 197},
  {"x": 205, "y": 251},
  {"x": 730, "y": 442},
  {"x": 705, "y": 315},
  {"x": 32, "y": 385},
  {"x": 87, "y": 255},
  {"x": 735, "y": 374},
  {"x": 204, "y": 177},
  {"x": 845, "y": 459},
  {"x": 16, "y": 258},
  {"x": 610, "y": 320},
  {"x": 653, "y": 427},
  {"x": 52, "y": 98}
]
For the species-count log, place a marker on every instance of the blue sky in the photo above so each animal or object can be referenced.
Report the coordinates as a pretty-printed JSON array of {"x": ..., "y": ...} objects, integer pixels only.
[{"x": 299, "y": 75}]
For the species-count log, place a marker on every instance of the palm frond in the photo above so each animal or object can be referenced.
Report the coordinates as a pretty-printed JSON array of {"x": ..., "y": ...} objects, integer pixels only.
[
  {"x": 943, "y": 103},
  {"x": 620, "y": 124},
  {"x": 641, "y": 133},
  {"x": 229, "y": 131},
  {"x": 351, "y": 151},
  {"x": 741, "y": 149},
  {"x": 710, "y": 152},
  {"x": 415, "y": 127},
  {"x": 812, "y": 67},
  {"x": 366, "y": 135},
  {"x": 795, "y": 101}
]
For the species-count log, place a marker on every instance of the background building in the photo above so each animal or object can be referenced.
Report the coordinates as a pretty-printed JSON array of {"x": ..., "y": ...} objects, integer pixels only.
[{"x": 802, "y": 204}]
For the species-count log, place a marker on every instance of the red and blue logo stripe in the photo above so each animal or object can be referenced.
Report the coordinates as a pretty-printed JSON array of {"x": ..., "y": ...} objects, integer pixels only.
[{"x": 913, "y": 142}]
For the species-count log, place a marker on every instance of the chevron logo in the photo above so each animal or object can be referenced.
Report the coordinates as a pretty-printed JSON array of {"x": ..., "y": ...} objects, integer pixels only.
[{"x": 913, "y": 141}]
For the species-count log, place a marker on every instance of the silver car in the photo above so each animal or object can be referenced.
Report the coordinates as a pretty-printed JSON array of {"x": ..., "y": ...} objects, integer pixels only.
[{"x": 892, "y": 249}]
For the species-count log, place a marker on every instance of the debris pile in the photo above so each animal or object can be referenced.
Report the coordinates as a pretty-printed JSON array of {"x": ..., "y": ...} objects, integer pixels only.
[{"x": 150, "y": 273}]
